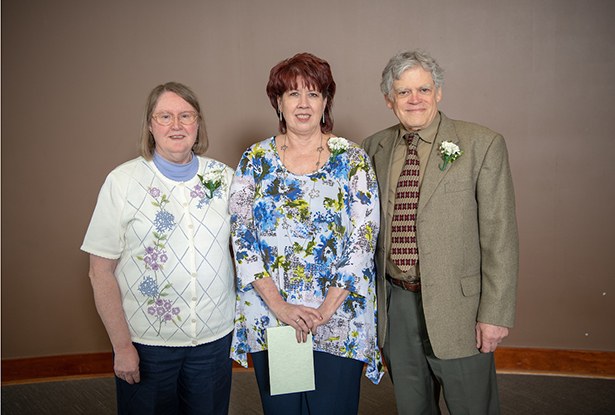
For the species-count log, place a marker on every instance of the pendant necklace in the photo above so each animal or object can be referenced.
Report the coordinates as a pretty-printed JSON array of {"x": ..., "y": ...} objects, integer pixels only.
[
  {"x": 319, "y": 149},
  {"x": 312, "y": 194}
]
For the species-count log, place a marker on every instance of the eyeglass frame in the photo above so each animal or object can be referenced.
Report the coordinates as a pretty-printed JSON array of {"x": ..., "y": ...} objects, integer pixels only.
[{"x": 175, "y": 116}]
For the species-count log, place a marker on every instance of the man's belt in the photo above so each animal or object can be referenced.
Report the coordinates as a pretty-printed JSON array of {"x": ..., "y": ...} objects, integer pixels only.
[{"x": 413, "y": 286}]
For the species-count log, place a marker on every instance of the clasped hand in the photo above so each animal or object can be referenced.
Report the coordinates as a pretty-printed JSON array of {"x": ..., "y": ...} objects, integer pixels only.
[{"x": 303, "y": 319}]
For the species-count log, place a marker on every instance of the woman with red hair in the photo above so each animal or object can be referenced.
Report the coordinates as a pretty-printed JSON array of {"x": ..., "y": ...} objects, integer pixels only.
[{"x": 305, "y": 216}]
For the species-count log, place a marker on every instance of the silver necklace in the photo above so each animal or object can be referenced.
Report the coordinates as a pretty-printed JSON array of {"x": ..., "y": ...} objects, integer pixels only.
[
  {"x": 285, "y": 147},
  {"x": 284, "y": 189}
]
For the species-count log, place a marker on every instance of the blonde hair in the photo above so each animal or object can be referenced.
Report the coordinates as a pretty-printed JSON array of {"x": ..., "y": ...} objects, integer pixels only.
[{"x": 146, "y": 143}]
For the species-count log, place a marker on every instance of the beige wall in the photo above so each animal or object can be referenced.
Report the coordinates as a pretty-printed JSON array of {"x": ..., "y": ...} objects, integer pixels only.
[{"x": 75, "y": 75}]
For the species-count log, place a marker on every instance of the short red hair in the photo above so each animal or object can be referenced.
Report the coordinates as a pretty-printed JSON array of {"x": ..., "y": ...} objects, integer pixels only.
[{"x": 316, "y": 74}]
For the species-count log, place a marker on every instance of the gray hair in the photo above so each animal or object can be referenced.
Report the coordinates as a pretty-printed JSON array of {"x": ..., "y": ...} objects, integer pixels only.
[{"x": 409, "y": 60}]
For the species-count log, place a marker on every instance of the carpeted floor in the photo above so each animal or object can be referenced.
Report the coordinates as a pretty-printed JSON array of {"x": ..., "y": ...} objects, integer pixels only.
[{"x": 519, "y": 394}]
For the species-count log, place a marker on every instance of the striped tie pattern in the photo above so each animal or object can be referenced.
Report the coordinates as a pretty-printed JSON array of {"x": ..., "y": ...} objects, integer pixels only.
[{"x": 404, "y": 251}]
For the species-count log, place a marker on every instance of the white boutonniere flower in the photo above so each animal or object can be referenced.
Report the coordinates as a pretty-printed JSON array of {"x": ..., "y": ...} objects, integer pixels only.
[
  {"x": 450, "y": 152},
  {"x": 337, "y": 145},
  {"x": 211, "y": 180}
]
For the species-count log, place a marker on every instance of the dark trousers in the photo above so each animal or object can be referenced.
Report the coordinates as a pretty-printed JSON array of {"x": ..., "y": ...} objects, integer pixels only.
[
  {"x": 469, "y": 384},
  {"x": 179, "y": 381},
  {"x": 337, "y": 380}
]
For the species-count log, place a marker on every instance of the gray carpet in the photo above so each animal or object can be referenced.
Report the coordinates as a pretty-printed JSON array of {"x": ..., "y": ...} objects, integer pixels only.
[{"x": 519, "y": 394}]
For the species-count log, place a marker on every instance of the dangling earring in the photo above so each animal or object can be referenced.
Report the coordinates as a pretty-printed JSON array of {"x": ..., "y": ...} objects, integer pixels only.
[
  {"x": 280, "y": 112},
  {"x": 323, "y": 117}
]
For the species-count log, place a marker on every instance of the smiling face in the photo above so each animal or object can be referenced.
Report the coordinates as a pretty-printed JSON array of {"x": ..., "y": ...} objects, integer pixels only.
[
  {"x": 302, "y": 109},
  {"x": 173, "y": 142},
  {"x": 415, "y": 99}
]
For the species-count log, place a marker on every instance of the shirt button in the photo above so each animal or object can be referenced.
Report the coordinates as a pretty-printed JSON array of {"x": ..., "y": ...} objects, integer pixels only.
[
  {"x": 193, "y": 298},
  {"x": 182, "y": 184},
  {"x": 190, "y": 226},
  {"x": 194, "y": 320},
  {"x": 193, "y": 341},
  {"x": 194, "y": 275},
  {"x": 185, "y": 203}
]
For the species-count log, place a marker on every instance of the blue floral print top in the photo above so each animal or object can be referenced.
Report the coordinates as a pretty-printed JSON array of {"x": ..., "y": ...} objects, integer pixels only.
[{"x": 307, "y": 232}]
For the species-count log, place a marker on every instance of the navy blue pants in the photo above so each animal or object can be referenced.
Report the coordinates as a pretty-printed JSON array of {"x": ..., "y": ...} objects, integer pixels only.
[
  {"x": 337, "y": 380},
  {"x": 179, "y": 381}
]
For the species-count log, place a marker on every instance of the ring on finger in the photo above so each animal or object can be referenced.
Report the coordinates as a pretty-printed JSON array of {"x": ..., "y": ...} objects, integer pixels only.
[{"x": 297, "y": 321}]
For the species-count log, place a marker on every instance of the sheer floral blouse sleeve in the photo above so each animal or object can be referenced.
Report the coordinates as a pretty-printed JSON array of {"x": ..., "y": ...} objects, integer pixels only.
[
  {"x": 248, "y": 259},
  {"x": 355, "y": 268}
]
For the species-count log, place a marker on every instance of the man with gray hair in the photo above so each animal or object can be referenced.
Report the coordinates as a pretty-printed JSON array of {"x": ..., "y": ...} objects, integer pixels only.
[{"x": 447, "y": 257}]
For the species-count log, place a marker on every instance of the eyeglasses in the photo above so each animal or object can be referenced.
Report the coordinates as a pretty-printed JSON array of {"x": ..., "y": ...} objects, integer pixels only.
[{"x": 186, "y": 118}]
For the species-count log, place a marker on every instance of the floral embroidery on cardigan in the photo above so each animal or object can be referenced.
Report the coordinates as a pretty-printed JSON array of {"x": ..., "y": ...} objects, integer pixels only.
[{"x": 154, "y": 260}]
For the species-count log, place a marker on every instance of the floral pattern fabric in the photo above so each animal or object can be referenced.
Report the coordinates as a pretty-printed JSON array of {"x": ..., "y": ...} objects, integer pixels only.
[
  {"x": 308, "y": 233},
  {"x": 174, "y": 270}
]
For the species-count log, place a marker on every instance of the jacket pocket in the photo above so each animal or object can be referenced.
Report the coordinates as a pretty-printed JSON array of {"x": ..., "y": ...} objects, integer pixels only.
[{"x": 470, "y": 285}]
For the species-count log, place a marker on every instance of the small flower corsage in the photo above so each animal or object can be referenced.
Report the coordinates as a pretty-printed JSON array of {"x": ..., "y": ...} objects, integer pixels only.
[
  {"x": 211, "y": 180},
  {"x": 450, "y": 152},
  {"x": 337, "y": 145}
]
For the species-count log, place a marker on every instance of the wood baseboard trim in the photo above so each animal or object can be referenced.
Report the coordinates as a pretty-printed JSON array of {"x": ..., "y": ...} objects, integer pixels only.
[
  {"x": 74, "y": 366},
  {"x": 56, "y": 366},
  {"x": 507, "y": 360},
  {"x": 578, "y": 362}
]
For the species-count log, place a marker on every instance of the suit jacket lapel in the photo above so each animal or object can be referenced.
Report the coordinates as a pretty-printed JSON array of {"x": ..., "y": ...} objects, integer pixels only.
[
  {"x": 382, "y": 162},
  {"x": 382, "y": 165},
  {"x": 433, "y": 174}
]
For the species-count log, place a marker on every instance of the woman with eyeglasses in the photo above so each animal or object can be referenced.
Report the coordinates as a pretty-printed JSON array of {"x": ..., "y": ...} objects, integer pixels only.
[{"x": 160, "y": 265}]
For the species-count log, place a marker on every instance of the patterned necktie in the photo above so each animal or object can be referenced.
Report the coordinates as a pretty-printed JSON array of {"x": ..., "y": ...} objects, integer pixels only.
[{"x": 404, "y": 251}]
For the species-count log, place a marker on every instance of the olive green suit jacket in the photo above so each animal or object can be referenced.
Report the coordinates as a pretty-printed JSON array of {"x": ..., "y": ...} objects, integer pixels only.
[{"x": 466, "y": 236}]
